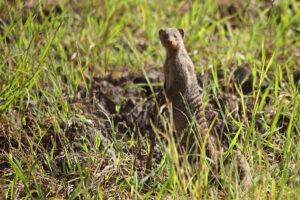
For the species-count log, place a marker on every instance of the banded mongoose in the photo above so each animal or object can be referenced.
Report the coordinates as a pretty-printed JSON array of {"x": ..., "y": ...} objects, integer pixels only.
[{"x": 181, "y": 88}]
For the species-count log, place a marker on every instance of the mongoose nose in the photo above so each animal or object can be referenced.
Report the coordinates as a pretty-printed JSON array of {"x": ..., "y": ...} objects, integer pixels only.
[{"x": 169, "y": 42}]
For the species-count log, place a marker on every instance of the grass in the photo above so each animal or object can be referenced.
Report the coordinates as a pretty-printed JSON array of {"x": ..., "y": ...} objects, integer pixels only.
[{"x": 53, "y": 146}]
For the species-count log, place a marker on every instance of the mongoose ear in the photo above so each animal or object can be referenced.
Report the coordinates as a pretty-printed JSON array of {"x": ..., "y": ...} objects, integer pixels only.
[
  {"x": 181, "y": 31},
  {"x": 160, "y": 32}
]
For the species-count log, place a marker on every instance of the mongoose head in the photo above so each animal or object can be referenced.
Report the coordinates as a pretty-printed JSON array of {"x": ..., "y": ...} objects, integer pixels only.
[{"x": 171, "y": 38}]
